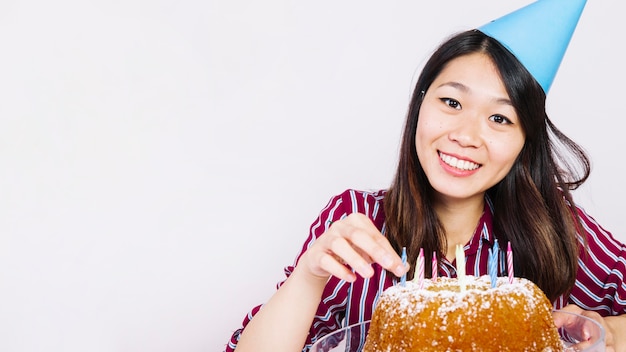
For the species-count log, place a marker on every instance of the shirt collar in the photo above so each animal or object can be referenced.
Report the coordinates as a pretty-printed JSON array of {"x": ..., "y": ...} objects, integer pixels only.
[{"x": 484, "y": 231}]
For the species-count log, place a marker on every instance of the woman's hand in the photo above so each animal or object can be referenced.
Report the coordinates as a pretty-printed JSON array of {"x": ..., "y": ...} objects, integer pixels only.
[
  {"x": 353, "y": 242},
  {"x": 583, "y": 332}
]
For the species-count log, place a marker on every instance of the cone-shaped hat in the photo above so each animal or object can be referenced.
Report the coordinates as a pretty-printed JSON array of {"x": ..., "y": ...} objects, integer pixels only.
[{"x": 538, "y": 34}]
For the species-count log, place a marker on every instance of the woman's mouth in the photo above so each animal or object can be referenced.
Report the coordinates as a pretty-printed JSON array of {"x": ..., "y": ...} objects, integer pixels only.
[{"x": 457, "y": 163}]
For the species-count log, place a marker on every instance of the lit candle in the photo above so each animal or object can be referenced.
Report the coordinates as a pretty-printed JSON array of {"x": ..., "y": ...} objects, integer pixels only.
[
  {"x": 419, "y": 270},
  {"x": 435, "y": 268},
  {"x": 460, "y": 266},
  {"x": 509, "y": 262},
  {"x": 493, "y": 263},
  {"x": 403, "y": 279}
]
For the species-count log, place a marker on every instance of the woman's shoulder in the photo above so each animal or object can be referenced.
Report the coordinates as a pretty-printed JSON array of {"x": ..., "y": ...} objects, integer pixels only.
[
  {"x": 359, "y": 200},
  {"x": 595, "y": 234},
  {"x": 377, "y": 194},
  {"x": 352, "y": 200}
]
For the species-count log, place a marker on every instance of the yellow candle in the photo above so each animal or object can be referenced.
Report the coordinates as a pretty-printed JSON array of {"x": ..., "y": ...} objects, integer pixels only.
[{"x": 460, "y": 266}]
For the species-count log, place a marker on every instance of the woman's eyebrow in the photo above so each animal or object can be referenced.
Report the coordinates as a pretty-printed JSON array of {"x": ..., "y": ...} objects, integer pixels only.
[
  {"x": 457, "y": 85},
  {"x": 465, "y": 89}
]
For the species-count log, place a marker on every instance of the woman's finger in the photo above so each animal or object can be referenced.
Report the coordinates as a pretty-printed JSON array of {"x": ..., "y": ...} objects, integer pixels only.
[
  {"x": 365, "y": 237},
  {"x": 342, "y": 249},
  {"x": 334, "y": 266}
]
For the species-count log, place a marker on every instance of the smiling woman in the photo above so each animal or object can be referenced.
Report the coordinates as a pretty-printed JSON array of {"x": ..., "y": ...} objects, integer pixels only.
[{"x": 477, "y": 168}]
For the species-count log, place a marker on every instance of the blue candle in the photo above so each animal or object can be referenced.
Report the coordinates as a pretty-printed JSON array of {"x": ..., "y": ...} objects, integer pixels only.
[
  {"x": 403, "y": 278},
  {"x": 493, "y": 263}
]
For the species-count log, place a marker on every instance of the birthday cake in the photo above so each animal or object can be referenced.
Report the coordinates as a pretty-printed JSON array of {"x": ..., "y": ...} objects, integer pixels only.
[{"x": 444, "y": 316}]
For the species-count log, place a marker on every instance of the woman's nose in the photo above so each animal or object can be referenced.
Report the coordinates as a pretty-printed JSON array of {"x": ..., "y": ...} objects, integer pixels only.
[{"x": 466, "y": 132}]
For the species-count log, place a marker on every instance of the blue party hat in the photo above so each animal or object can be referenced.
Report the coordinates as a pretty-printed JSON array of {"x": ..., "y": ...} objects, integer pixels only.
[{"x": 538, "y": 35}]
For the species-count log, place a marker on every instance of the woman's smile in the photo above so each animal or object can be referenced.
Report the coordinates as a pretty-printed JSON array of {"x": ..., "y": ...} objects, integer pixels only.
[{"x": 458, "y": 163}]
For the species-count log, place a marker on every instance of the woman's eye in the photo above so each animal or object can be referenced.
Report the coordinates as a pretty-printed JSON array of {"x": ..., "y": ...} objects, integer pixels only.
[
  {"x": 451, "y": 103},
  {"x": 500, "y": 119}
]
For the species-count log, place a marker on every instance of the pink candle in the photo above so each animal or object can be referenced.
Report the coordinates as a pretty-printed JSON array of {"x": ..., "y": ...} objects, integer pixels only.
[
  {"x": 509, "y": 262},
  {"x": 434, "y": 266}
]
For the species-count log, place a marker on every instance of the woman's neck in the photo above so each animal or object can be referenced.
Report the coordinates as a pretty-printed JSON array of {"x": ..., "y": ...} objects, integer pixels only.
[{"x": 459, "y": 220}]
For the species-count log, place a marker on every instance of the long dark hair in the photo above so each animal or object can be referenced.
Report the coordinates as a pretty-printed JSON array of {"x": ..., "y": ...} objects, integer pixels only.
[{"x": 533, "y": 207}]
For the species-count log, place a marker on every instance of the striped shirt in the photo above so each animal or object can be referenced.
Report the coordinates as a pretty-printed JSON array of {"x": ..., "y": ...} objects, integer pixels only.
[{"x": 599, "y": 286}]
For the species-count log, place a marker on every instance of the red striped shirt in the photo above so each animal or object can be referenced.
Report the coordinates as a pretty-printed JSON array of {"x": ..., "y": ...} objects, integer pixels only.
[{"x": 600, "y": 284}]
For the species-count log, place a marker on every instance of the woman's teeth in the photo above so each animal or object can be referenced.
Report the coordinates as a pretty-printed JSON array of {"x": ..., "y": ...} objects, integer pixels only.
[{"x": 459, "y": 164}]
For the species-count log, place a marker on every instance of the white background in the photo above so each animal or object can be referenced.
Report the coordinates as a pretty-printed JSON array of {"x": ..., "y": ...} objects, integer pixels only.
[{"x": 162, "y": 160}]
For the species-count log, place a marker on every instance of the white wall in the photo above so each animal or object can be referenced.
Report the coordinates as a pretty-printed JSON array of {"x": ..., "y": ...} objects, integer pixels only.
[{"x": 163, "y": 160}]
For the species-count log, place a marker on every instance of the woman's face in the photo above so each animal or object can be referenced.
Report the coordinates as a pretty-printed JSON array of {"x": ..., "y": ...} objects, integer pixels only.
[{"x": 468, "y": 134}]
